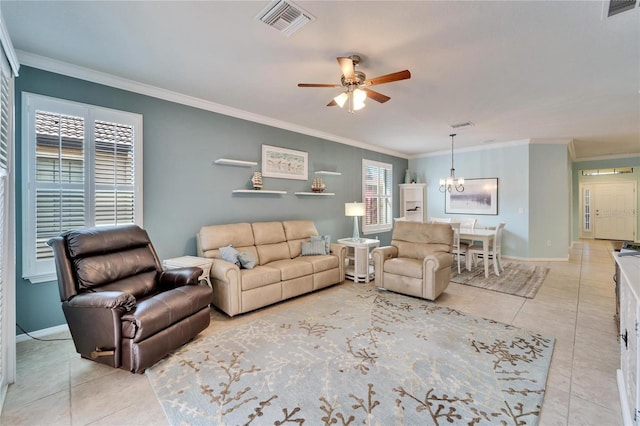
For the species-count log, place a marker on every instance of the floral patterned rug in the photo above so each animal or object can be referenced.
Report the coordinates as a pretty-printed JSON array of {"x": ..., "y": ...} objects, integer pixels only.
[{"x": 352, "y": 354}]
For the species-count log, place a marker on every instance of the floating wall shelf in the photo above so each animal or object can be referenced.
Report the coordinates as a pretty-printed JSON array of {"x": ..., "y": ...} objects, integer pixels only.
[
  {"x": 326, "y": 173},
  {"x": 239, "y": 163},
  {"x": 315, "y": 193},
  {"x": 257, "y": 191}
]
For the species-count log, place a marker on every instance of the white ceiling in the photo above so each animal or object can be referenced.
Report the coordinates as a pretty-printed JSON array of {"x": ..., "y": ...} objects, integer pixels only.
[{"x": 541, "y": 70}]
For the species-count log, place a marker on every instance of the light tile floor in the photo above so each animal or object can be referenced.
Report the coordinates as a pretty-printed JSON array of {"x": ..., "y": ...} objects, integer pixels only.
[{"x": 575, "y": 304}]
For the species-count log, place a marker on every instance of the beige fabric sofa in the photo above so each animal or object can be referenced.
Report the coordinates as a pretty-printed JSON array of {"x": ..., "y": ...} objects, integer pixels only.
[
  {"x": 418, "y": 261},
  {"x": 281, "y": 272}
]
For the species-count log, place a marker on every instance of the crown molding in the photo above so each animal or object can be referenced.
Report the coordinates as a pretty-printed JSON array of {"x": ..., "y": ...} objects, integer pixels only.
[
  {"x": 496, "y": 145},
  {"x": 82, "y": 73},
  {"x": 606, "y": 157}
]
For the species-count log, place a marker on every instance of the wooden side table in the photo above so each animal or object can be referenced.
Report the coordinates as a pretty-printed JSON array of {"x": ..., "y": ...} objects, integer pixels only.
[
  {"x": 359, "y": 268},
  {"x": 187, "y": 261}
]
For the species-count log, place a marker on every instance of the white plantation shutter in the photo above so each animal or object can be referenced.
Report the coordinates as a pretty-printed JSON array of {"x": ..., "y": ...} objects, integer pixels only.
[
  {"x": 82, "y": 165},
  {"x": 377, "y": 193},
  {"x": 59, "y": 203},
  {"x": 7, "y": 232},
  {"x": 114, "y": 174}
]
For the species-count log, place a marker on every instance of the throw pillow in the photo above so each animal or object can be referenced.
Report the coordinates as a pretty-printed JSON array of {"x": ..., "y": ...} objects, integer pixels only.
[
  {"x": 313, "y": 248},
  {"x": 247, "y": 260},
  {"x": 229, "y": 254},
  {"x": 327, "y": 242}
]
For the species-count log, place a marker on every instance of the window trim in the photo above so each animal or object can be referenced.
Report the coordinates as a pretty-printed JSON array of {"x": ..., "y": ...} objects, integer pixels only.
[
  {"x": 38, "y": 271},
  {"x": 370, "y": 229}
]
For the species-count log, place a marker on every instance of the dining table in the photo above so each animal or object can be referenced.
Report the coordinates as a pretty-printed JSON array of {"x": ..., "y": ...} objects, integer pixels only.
[{"x": 480, "y": 234}]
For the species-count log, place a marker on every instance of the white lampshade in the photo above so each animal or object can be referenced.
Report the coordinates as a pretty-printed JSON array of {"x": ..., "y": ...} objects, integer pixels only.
[
  {"x": 354, "y": 209},
  {"x": 341, "y": 99}
]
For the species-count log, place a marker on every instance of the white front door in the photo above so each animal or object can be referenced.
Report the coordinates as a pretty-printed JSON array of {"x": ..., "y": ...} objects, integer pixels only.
[{"x": 614, "y": 206}]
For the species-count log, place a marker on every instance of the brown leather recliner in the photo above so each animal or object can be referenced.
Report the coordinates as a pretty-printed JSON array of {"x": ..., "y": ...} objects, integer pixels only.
[{"x": 123, "y": 310}]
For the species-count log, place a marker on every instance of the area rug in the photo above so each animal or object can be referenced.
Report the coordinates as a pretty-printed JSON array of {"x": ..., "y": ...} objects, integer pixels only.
[
  {"x": 353, "y": 354},
  {"x": 517, "y": 279}
]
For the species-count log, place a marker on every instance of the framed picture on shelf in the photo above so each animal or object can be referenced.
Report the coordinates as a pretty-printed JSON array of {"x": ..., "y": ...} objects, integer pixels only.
[
  {"x": 480, "y": 196},
  {"x": 284, "y": 163}
]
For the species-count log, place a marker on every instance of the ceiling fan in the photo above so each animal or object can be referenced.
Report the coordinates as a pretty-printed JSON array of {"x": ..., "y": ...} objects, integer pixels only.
[{"x": 357, "y": 85}]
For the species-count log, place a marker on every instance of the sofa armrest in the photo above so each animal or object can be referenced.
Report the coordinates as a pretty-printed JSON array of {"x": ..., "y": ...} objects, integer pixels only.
[
  {"x": 95, "y": 324},
  {"x": 104, "y": 300},
  {"x": 174, "y": 278},
  {"x": 339, "y": 250},
  {"x": 227, "y": 286},
  {"x": 380, "y": 255},
  {"x": 437, "y": 261}
]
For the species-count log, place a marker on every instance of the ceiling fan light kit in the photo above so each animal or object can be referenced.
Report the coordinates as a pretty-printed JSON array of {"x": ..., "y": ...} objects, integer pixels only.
[{"x": 357, "y": 85}]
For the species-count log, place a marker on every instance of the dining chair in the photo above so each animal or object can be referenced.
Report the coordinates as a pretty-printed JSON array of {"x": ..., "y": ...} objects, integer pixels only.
[
  {"x": 458, "y": 249},
  {"x": 475, "y": 251},
  {"x": 467, "y": 224}
]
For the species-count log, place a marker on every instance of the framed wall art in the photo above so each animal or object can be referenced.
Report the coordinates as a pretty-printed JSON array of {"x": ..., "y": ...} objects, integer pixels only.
[
  {"x": 284, "y": 163},
  {"x": 480, "y": 196}
]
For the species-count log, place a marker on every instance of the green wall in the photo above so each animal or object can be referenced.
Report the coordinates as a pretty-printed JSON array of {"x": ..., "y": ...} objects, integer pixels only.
[{"x": 183, "y": 191}]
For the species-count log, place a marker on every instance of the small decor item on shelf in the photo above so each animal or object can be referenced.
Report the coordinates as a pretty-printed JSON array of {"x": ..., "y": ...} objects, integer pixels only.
[
  {"x": 317, "y": 185},
  {"x": 256, "y": 180},
  {"x": 407, "y": 176}
]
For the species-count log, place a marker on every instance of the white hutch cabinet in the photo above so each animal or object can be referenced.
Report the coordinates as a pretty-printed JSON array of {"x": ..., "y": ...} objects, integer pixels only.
[
  {"x": 628, "y": 290},
  {"x": 413, "y": 202}
]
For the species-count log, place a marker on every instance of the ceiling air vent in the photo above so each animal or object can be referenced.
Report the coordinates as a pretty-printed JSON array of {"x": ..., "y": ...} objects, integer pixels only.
[
  {"x": 619, "y": 6},
  {"x": 461, "y": 125},
  {"x": 285, "y": 17}
]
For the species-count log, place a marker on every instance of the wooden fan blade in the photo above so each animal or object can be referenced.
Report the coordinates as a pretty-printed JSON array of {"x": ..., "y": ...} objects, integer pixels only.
[
  {"x": 379, "y": 97},
  {"x": 389, "y": 78},
  {"x": 346, "y": 64},
  {"x": 332, "y": 103},
  {"x": 333, "y": 86}
]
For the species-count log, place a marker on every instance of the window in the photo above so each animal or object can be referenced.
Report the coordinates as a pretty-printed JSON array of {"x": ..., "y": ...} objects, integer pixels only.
[
  {"x": 586, "y": 201},
  {"x": 377, "y": 192},
  {"x": 82, "y": 166}
]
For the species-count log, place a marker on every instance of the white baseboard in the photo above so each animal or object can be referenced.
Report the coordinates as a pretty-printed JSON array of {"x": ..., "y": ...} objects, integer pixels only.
[{"x": 44, "y": 333}]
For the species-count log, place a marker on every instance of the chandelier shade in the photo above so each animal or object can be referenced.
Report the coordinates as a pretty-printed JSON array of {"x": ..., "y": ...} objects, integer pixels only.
[{"x": 449, "y": 183}]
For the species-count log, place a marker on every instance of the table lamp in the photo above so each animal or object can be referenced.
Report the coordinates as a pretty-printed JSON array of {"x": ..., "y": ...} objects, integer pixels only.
[{"x": 354, "y": 209}]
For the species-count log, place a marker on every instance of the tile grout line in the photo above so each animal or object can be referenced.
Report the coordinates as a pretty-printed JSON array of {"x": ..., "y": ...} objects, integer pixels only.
[{"x": 575, "y": 332}]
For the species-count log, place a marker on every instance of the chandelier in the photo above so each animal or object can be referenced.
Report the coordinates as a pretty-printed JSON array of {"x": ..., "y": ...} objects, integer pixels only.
[
  {"x": 353, "y": 97},
  {"x": 447, "y": 184}
]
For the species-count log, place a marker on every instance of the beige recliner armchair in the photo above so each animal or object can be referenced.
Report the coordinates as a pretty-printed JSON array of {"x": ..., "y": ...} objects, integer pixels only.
[{"x": 418, "y": 261}]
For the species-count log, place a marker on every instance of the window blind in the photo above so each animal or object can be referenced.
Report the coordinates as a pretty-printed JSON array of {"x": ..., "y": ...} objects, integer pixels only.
[{"x": 378, "y": 196}]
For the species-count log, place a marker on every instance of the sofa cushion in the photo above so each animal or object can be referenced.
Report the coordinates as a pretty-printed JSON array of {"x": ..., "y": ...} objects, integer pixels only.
[
  {"x": 417, "y": 250},
  {"x": 259, "y": 276},
  {"x": 95, "y": 271},
  {"x": 268, "y": 233},
  {"x": 292, "y": 268},
  {"x": 405, "y": 266},
  {"x": 213, "y": 237},
  {"x": 322, "y": 263},
  {"x": 297, "y": 232},
  {"x": 268, "y": 253}
]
